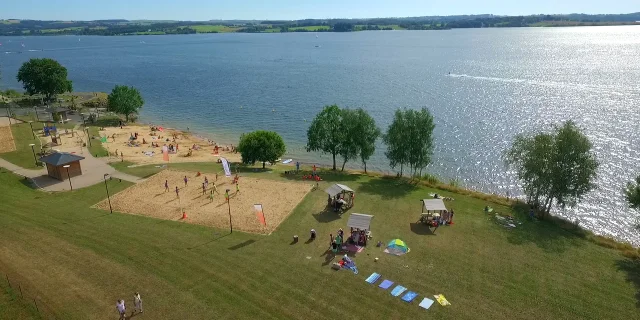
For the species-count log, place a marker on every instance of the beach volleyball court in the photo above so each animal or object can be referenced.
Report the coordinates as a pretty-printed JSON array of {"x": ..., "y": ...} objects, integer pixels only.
[{"x": 149, "y": 198}]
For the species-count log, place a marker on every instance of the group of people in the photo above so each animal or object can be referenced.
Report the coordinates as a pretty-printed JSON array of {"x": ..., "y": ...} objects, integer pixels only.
[
  {"x": 137, "y": 306},
  {"x": 336, "y": 243},
  {"x": 358, "y": 237},
  {"x": 205, "y": 187}
]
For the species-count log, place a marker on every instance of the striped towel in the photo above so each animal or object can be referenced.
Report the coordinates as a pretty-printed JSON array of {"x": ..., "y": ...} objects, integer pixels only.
[
  {"x": 373, "y": 278},
  {"x": 386, "y": 284}
]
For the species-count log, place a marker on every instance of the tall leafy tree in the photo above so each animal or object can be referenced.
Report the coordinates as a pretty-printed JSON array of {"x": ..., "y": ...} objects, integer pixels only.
[
  {"x": 554, "y": 168},
  {"x": 348, "y": 148},
  {"x": 326, "y": 132},
  {"x": 366, "y": 134},
  {"x": 125, "y": 100},
  {"x": 44, "y": 76},
  {"x": 632, "y": 194},
  {"x": 409, "y": 140},
  {"x": 261, "y": 146}
]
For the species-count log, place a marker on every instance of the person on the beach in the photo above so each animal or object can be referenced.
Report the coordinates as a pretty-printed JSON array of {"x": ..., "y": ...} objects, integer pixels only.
[
  {"x": 215, "y": 188},
  {"x": 137, "y": 303},
  {"x": 216, "y": 176},
  {"x": 206, "y": 182},
  {"x": 122, "y": 155},
  {"x": 237, "y": 188},
  {"x": 211, "y": 196},
  {"x": 177, "y": 192},
  {"x": 121, "y": 309},
  {"x": 185, "y": 181},
  {"x": 226, "y": 195},
  {"x": 204, "y": 188},
  {"x": 166, "y": 186}
]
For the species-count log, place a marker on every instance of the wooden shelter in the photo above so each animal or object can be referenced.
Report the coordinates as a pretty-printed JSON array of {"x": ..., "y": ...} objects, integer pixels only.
[{"x": 56, "y": 162}]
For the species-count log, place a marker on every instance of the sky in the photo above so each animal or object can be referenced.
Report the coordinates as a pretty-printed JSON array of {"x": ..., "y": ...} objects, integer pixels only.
[{"x": 294, "y": 9}]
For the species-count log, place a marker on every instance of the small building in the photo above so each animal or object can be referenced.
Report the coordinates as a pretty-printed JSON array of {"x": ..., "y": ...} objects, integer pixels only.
[
  {"x": 58, "y": 113},
  {"x": 56, "y": 162}
]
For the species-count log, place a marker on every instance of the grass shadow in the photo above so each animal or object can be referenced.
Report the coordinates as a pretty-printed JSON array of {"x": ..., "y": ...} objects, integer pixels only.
[
  {"x": 548, "y": 235},
  {"x": 327, "y": 215},
  {"x": 208, "y": 242},
  {"x": 386, "y": 188},
  {"x": 241, "y": 245},
  {"x": 632, "y": 268}
]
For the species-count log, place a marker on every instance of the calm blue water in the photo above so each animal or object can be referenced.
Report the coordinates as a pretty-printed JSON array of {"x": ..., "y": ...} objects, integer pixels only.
[{"x": 502, "y": 82}]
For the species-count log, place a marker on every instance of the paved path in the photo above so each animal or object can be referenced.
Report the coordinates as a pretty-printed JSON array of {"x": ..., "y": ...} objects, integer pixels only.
[{"x": 93, "y": 171}]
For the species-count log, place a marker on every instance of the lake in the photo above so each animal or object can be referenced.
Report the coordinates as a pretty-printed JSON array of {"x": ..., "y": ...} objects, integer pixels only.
[{"x": 483, "y": 87}]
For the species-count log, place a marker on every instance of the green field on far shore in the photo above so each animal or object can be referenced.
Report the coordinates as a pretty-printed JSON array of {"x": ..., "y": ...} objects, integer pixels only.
[
  {"x": 534, "y": 271},
  {"x": 213, "y": 28}
]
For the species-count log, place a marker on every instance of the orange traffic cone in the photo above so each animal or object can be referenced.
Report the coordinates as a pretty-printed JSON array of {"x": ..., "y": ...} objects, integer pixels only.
[{"x": 184, "y": 215}]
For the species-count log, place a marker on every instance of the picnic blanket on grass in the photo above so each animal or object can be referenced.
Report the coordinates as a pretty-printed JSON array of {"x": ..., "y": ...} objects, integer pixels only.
[
  {"x": 409, "y": 296},
  {"x": 373, "y": 278},
  {"x": 398, "y": 291},
  {"x": 386, "y": 284},
  {"x": 426, "y": 303},
  {"x": 442, "y": 300}
]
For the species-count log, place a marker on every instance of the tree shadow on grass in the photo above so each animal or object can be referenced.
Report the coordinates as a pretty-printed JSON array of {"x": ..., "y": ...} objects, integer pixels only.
[
  {"x": 327, "y": 215},
  {"x": 106, "y": 122},
  {"x": 632, "y": 268},
  {"x": 326, "y": 176},
  {"x": 388, "y": 188},
  {"x": 551, "y": 235}
]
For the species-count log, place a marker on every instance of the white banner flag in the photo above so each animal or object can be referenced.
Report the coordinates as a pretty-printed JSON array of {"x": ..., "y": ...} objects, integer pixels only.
[{"x": 225, "y": 166}]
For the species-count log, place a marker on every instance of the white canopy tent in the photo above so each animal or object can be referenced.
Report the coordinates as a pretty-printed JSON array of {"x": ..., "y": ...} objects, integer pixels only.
[
  {"x": 337, "y": 189},
  {"x": 433, "y": 205},
  {"x": 360, "y": 221}
]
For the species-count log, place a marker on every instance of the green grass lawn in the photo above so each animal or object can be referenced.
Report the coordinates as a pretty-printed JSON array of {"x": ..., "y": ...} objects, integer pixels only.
[
  {"x": 72, "y": 253},
  {"x": 96, "y": 148},
  {"x": 23, "y": 156},
  {"x": 12, "y": 306},
  {"x": 214, "y": 28}
]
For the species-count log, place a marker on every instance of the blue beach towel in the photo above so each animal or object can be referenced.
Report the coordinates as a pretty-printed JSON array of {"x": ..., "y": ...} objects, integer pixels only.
[
  {"x": 426, "y": 303},
  {"x": 386, "y": 284},
  {"x": 398, "y": 291},
  {"x": 409, "y": 296},
  {"x": 373, "y": 278}
]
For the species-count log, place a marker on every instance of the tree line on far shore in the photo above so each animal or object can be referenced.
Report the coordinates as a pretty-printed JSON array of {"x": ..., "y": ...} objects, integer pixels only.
[{"x": 555, "y": 168}]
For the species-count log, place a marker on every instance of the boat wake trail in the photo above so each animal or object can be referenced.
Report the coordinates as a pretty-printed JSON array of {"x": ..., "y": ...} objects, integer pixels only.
[{"x": 614, "y": 90}]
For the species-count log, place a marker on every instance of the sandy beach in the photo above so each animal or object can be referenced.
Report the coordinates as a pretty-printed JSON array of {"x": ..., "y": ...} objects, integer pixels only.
[{"x": 147, "y": 148}]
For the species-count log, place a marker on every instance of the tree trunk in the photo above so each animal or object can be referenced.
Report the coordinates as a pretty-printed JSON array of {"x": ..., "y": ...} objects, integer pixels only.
[
  {"x": 343, "y": 163},
  {"x": 263, "y": 164},
  {"x": 365, "y": 167},
  {"x": 401, "y": 165},
  {"x": 126, "y": 117},
  {"x": 334, "y": 162}
]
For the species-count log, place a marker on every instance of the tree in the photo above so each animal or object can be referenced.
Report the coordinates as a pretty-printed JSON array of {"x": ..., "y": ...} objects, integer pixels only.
[
  {"x": 366, "y": 134},
  {"x": 125, "y": 100},
  {"x": 263, "y": 146},
  {"x": 348, "y": 147},
  {"x": 325, "y": 133},
  {"x": 409, "y": 140},
  {"x": 632, "y": 194},
  {"x": 554, "y": 168},
  {"x": 44, "y": 76}
]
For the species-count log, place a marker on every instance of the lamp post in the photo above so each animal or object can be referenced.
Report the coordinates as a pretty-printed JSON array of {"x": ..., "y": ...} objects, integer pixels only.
[
  {"x": 31, "y": 126},
  {"x": 34, "y": 153},
  {"x": 68, "y": 176},
  {"x": 229, "y": 206},
  {"x": 107, "y": 188}
]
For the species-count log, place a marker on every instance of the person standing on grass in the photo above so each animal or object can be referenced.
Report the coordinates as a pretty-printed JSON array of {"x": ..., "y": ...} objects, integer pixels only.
[
  {"x": 185, "y": 181},
  {"x": 121, "y": 309},
  {"x": 166, "y": 186},
  {"x": 137, "y": 303}
]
